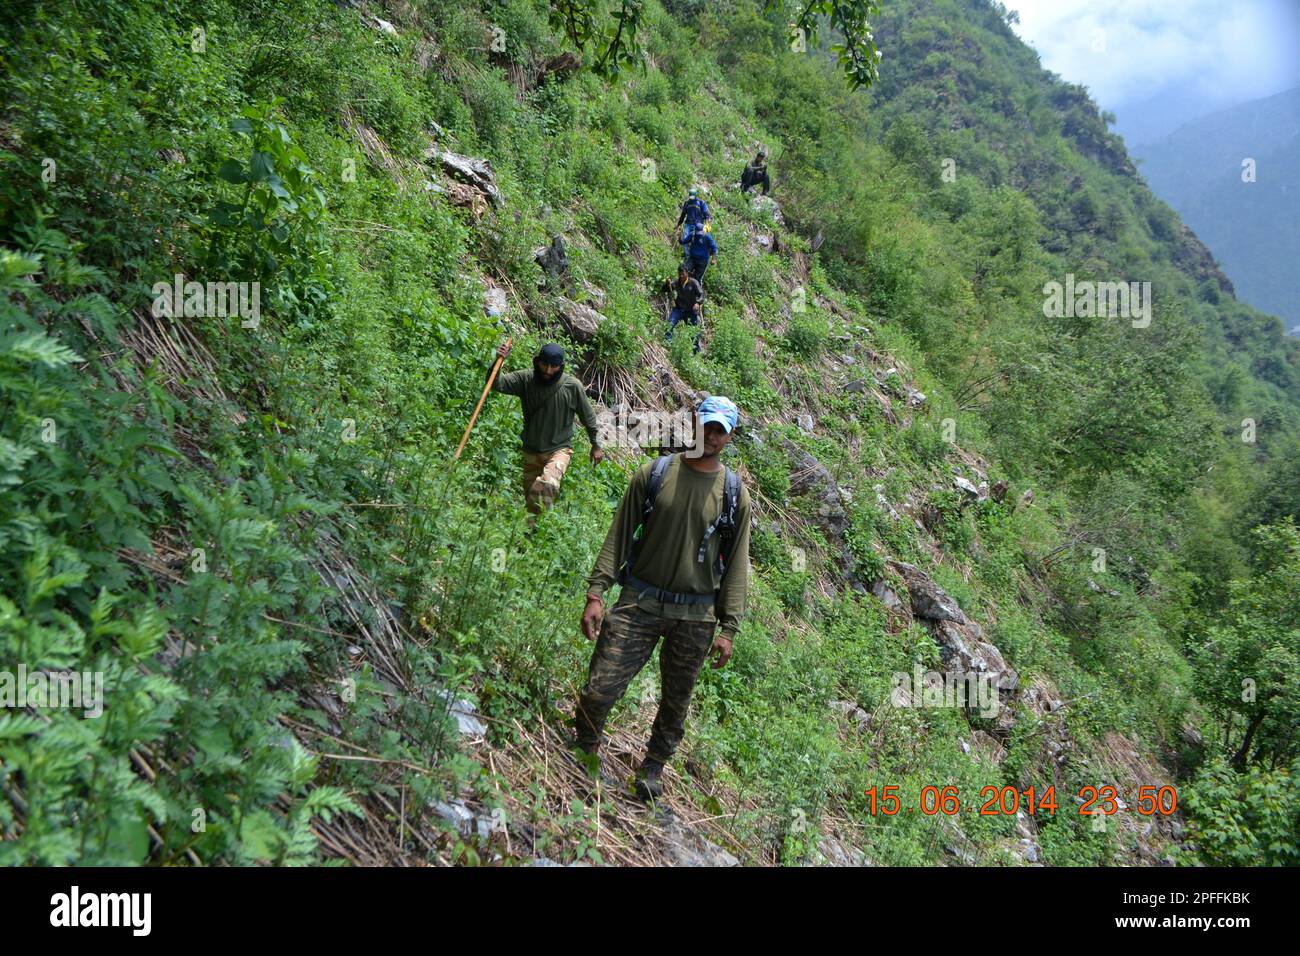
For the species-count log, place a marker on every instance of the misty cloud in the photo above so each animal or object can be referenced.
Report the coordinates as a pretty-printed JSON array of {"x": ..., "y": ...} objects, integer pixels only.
[{"x": 1223, "y": 50}]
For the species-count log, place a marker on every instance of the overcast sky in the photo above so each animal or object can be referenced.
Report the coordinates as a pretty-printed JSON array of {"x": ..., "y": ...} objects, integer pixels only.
[{"x": 1225, "y": 51}]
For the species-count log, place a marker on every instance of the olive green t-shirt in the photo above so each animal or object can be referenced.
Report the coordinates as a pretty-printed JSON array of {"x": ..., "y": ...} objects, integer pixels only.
[
  {"x": 549, "y": 409},
  {"x": 687, "y": 504}
]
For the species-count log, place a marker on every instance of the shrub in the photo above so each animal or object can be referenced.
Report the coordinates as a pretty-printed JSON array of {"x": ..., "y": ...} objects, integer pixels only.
[
  {"x": 1245, "y": 819},
  {"x": 806, "y": 335}
]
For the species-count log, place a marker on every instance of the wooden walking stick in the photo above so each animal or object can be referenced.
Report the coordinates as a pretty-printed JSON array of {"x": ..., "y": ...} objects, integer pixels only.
[{"x": 481, "y": 399}]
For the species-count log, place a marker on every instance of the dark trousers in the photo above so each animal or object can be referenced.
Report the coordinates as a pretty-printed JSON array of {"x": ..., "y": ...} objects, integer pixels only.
[
  {"x": 627, "y": 638},
  {"x": 752, "y": 177},
  {"x": 696, "y": 266},
  {"x": 683, "y": 315}
]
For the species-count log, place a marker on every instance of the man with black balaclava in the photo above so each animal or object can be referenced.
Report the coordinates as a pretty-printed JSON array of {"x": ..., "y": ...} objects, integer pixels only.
[{"x": 550, "y": 399}]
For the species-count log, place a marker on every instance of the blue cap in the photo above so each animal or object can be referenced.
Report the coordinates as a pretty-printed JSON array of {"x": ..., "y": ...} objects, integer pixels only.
[{"x": 720, "y": 409}]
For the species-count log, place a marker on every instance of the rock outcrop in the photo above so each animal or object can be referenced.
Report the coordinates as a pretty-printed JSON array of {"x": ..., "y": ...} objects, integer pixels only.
[
  {"x": 579, "y": 320},
  {"x": 810, "y": 477},
  {"x": 468, "y": 171},
  {"x": 832, "y": 851},
  {"x": 929, "y": 601},
  {"x": 961, "y": 640},
  {"x": 495, "y": 302},
  {"x": 686, "y": 847}
]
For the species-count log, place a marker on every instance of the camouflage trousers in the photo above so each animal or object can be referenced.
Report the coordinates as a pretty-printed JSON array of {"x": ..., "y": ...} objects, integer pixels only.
[
  {"x": 543, "y": 472},
  {"x": 627, "y": 638}
]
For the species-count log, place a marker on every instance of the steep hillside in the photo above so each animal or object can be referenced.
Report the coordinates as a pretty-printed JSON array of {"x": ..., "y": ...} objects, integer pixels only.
[
  {"x": 1246, "y": 214},
  {"x": 321, "y": 638}
]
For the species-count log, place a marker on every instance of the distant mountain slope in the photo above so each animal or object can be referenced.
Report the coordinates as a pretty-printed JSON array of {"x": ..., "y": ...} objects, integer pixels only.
[
  {"x": 1251, "y": 227},
  {"x": 1153, "y": 119}
]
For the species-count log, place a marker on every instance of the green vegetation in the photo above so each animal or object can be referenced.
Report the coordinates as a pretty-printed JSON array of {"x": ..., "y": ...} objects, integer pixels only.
[{"x": 254, "y": 532}]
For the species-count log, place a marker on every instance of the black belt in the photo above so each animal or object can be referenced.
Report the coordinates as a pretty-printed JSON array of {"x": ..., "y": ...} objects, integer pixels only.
[{"x": 667, "y": 597}]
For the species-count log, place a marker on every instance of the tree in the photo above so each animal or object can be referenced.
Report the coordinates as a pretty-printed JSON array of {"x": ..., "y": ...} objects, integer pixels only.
[
  {"x": 1247, "y": 664},
  {"x": 617, "y": 46},
  {"x": 1245, "y": 819},
  {"x": 616, "y": 41}
]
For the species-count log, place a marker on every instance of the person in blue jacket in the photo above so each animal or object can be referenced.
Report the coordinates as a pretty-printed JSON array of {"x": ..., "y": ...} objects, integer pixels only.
[
  {"x": 695, "y": 213},
  {"x": 699, "y": 251}
]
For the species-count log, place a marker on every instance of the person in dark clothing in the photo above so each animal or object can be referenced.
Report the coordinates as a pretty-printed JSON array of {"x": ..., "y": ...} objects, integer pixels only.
[
  {"x": 755, "y": 174},
  {"x": 695, "y": 213},
  {"x": 700, "y": 250},
  {"x": 686, "y": 307},
  {"x": 550, "y": 398}
]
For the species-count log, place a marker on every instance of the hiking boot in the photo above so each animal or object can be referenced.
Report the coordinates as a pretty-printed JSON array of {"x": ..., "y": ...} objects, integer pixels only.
[{"x": 648, "y": 785}]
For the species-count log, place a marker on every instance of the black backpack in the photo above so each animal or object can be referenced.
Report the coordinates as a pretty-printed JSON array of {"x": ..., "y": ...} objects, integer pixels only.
[{"x": 724, "y": 524}]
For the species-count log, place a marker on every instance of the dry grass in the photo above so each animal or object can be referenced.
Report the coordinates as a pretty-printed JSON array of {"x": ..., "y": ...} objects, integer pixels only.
[
  {"x": 373, "y": 146},
  {"x": 621, "y": 827}
]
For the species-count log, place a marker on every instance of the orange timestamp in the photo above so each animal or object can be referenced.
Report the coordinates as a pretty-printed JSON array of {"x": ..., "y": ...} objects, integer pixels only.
[{"x": 994, "y": 801}]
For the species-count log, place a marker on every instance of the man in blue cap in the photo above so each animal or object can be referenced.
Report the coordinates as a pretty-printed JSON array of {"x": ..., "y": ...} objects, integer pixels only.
[{"x": 679, "y": 546}]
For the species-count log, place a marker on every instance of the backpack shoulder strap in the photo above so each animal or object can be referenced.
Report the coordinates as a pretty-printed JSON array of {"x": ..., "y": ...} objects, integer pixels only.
[
  {"x": 656, "y": 482},
  {"x": 724, "y": 523},
  {"x": 657, "y": 471},
  {"x": 730, "y": 501}
]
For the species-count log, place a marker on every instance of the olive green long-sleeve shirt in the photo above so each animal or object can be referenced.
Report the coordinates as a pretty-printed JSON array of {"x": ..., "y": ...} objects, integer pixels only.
[
  {"x": 688, "y": 502},
  {"x": 549, "y": 409}
]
